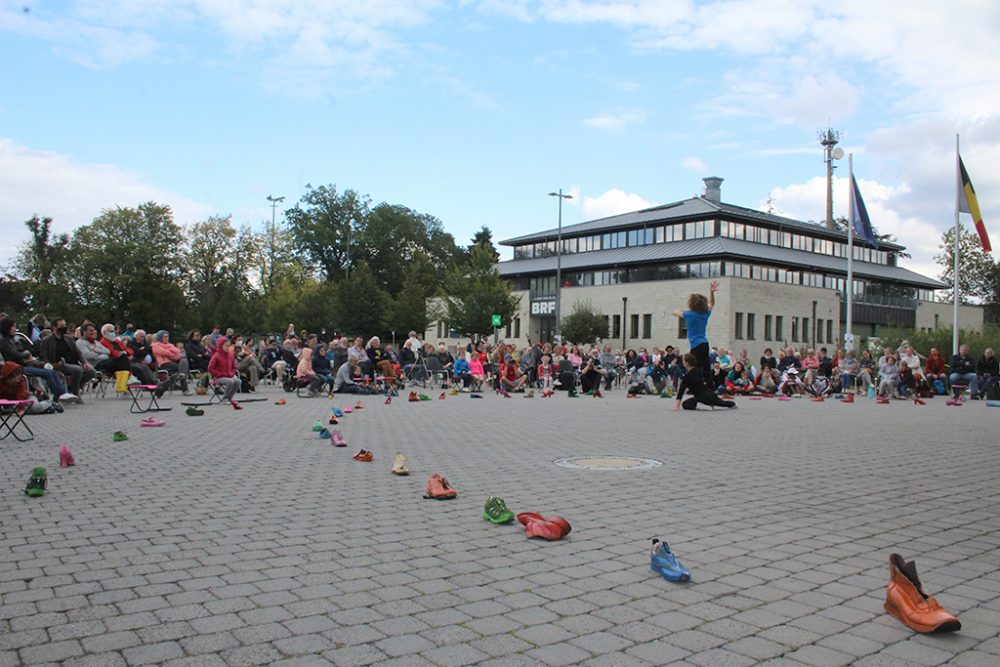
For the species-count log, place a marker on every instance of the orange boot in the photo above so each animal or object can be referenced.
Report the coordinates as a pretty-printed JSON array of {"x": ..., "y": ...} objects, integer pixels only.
[{"x": 906, "y": 601}]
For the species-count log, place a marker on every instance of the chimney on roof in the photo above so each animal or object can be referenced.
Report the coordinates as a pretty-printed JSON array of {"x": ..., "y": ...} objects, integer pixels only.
[{"x": 713, "y": 189}]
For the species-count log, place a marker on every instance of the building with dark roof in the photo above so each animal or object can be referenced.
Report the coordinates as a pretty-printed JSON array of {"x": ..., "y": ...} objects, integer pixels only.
[{"x": 783, "y": 281}]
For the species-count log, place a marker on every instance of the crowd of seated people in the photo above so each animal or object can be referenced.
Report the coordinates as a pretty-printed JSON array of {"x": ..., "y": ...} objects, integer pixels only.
[{"x": 62, "y": 360}]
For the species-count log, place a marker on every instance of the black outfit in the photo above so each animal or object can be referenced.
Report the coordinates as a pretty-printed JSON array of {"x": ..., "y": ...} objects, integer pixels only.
[
  {"x": 589, "y": 377},
  {"x": 62, "y": 353},
  {"x": 693, "y": 382},
  {"x": 197, "y": 355},
  {"x": 770, "y": 362}
]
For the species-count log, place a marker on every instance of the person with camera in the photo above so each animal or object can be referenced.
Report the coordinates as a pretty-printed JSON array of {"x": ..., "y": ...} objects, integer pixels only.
[{"x": 591, "y": 372}]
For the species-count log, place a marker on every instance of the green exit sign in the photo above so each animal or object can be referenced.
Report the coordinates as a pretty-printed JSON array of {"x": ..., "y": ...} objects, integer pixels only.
[{"x": 497, "y": 320}]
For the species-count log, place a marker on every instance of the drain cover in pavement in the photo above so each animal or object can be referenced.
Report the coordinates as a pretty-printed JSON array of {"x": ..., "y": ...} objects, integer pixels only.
[{"x": 607, "y": 463}]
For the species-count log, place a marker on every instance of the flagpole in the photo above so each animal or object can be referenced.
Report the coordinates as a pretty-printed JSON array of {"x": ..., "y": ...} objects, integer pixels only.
[
  {"x": 958, "y": 234},
  {"x": 849, "y": 334}
]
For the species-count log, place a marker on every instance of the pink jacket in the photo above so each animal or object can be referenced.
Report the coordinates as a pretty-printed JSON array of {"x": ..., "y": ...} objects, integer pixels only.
[{"x": 165, "y": 352}]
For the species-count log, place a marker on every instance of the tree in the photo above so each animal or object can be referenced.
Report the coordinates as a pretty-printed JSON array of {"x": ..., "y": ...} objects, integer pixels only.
[
  {"x": 408, "y": 310},
  {"x": 361, "y": 303},
  {"x": 323, "y": 226},
  {"x": 484, "y": 239},
  {"x": 584, "y": 324},
  {"x": 978, "y": 273},
  {"x": 41, "y": 262},
  {"x": 126, "y": 266},
  {"x": 218, "y": 288},
  {"x": 475, "y": 291}
]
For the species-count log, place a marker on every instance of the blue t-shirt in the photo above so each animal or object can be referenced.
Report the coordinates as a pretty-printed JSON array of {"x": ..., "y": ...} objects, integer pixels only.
[{"x": 696, "y": 323}]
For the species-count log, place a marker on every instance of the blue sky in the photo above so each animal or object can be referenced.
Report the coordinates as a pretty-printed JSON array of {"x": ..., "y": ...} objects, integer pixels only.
[{"x": 473, "y": 110}]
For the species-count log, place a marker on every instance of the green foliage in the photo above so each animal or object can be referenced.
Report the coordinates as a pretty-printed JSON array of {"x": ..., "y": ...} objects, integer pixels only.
[
  {"x": 941, "y": 338},
  {"x": 484, "y": 239},
  {"x": 978, "y": 276},
  {"x": 360, "y": 303},
  {"x": 476, "y": 291},
  {"x": 408, "y": 309},
  {"x": 42, "y": 264},
  {"x": 323, "y": 226},
  {"x": 584, "y": 324}
]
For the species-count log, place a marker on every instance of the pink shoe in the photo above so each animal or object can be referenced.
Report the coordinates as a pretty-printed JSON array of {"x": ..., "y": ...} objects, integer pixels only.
[
  {"x": 337, "y": 440},
  {"x": 152, "y": 421},
  {"x": 348, "y": 410},
  {"x": 952, "y": 401},
  {"x": 784, "y": 398},
  {"x": 65, "y": 458}
]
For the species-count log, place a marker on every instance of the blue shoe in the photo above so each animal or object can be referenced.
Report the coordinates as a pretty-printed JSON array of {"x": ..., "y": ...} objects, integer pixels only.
[
  {"x": 337, "y": 412},
  {"x": 663, "y": 560},
  {"x": 324, "y": 434}
]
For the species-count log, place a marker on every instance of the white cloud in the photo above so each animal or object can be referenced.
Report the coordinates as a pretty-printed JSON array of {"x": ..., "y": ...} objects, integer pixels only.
[
  {"x": 72, "y": 193},
  {"x": 695, "y": 164},
  {"x": 612, "y": 202},
  {"x": 618, "y": 120}
]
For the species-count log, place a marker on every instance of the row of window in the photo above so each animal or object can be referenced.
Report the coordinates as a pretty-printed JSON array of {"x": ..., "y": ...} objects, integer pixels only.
[
  {"x": 702, "y": 229},
  {"x": 546, "y": 285},
  {"x": 615, "y": 326},
  {"x": 774, "y": 329}
]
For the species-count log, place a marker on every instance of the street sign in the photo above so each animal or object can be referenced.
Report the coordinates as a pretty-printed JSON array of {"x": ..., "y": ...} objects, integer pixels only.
[{"x": 497, "y": 320}]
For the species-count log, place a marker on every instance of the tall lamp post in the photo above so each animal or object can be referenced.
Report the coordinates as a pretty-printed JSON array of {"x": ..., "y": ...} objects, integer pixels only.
[
  {"x": 271, "y": 234},
  {"x": 561, "y": 196}
]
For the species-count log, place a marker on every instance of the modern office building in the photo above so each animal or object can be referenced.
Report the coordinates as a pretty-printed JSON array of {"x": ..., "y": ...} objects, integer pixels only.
[{"x": 783, "y": 281}]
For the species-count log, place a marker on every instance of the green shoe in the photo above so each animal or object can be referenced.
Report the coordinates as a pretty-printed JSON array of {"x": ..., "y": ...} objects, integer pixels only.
[
  {"x": 425, "y": 397},
  {"x": 37, "y": 483},
  {"x": 119, "y": 436},
  {"x": 318, "y": 426},
  {"x": 194, "y": 412},
  {"x": 496, "y": 511},
  {"x": 572, "y": 394},
  {"x": 590, "y": 392}
]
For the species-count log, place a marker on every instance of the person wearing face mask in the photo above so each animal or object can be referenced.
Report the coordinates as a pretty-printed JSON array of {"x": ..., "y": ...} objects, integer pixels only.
[
  {"x": 117, "y": 349},
  {"x": 60, "y": 350},
  {"x": 13, "y": 349}
]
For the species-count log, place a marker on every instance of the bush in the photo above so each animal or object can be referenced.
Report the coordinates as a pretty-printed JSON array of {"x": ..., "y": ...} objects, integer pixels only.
[
  {"x": 941, "y": 338},
  {"x": 584, "y": 325}
]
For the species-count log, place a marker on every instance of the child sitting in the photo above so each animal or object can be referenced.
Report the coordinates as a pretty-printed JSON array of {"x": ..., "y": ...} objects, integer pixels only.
[{"x": 546, "y": 375}]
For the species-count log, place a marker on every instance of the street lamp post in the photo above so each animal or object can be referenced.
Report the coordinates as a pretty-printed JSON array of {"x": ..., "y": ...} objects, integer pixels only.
[
  {"x": 271, "y": 234},
  {"x": 561, "y": 196}
]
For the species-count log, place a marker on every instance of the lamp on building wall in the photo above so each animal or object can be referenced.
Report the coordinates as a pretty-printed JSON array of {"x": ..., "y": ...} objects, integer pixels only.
[{"x": 561, "y": 196}]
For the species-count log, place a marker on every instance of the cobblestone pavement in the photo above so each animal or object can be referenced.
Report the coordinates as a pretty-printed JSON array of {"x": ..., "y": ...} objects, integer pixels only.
[{"x": 241, "y": 538}]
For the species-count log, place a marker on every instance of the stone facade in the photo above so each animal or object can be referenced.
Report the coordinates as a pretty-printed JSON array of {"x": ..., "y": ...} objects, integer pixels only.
[{"x": 934, "y": 315}]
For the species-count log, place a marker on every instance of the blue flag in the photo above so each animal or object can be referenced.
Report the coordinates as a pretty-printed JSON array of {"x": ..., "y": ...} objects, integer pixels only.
[{"x": 859, "y": 216}]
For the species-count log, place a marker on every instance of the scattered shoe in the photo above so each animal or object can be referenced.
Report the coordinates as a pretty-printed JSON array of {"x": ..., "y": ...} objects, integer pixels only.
[
  {"x": 413, "y": 398},
  {"x": 280, "y": 401},
  {"x": 69, "y": 398},
  {"x": 993, "y": 404},
  {"x": 597, "y": 394},
  {"x": 359, "y": 406},
  {"x": 817, "y": 399},
  {"x": 119, "y": 436},
  {"x": 755, "y": 398},
  {"x": 194, "y": 412},
  {"x": 37, "y": 483},
  {"x": 236, "y": 406},
  {"x": 399, "y": 466},
  {"x": 348, "y": 410},
  {"x": 324, "y": 434},
  {"x": 906, "y": 601},
  {"x": 443, "y": 395},
  {"x": 65, "y": 458},
  {"x": 439, "y": 489},
  {"x": 496, "y": 511},
  {"x": 882, "y": 400},
  {"x": 663, "y": 560},
  {"x": 337, "y": 412},
  {"x": 363, "y": 455},
  {"x": 572, "y": 394},
  {"x": 530, "y": 393},
  {"x": 475, "y": 395},
  {"x": 333, "y": 420},
  {"x": 551, "y": 529},
  {"x": 336, "y": 439},
  {"x": 317, "y": 426},
  {"x": 784, "y": 398},
  {"x": 632, "y": 396},
  {"x": 453, "y": 392},
  {"x": 424, "y": 397},
  {"x": 954, "y": 401},
  {"x": 152, "y": 421},
  {"x": 919, "y": 401},
  {"x": 847, "y": 399},
  {"x": 388, "y": 400},
  {"x": 504, "y": 393}
]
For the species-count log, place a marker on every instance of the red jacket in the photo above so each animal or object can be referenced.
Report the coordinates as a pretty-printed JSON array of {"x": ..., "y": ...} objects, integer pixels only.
[
  {"x": 222, "y": 364},
  {"x": 116, "y": 347}
]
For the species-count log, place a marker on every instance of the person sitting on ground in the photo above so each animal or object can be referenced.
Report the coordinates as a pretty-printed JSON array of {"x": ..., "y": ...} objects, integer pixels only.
[
  {"x": 963, "y": 370},
  {"x": 810, "y": 364},
  {"x": 826, "y": 363},
  {"x": 693, "y": 383},
  {"x": 656, "y": 376},
  {"x": 767, "y": 359},
  {"x": 718, "y": 379},
  {"x": 222, "y": 368},
  {"x": 789, "y": 361},
  {"x": 906, "y": 380},
  {"x": 171, "y": 359},
  {"x": 546, "y": 375},
  {"x": 346, "y": 379},
  {"x": 738, "y": 380},
  {"x": 12, "y": 349},
  {"x": 60, "y": 350},
  {"x": 575, "y": 357},
  {"x": 592, "y": 373},
  {"x": 511, "y": 377},
  {"x": 767, "y": 378},
  {"x": 987, "y": 371},
  {"x": 725, "y": 360},
  {"x": 936, "y": 371},
  {"x": 322, "y": 368},
  {"x": 888, "y": 378},
  {"x": 790, "y": 384},
  {"x": 196, "y": 353}
]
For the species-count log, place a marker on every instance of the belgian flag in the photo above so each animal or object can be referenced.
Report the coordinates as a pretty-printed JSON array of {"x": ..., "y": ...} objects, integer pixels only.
[{"x": 967, "y": 203}]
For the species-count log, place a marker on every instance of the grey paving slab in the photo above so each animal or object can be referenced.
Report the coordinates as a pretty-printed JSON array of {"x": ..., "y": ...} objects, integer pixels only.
[{"x": 241, "y": 538}]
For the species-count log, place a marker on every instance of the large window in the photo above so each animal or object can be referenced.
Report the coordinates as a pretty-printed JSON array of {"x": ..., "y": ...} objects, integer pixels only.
[
  {"x": 699, "y": 230},
  {"x": 806, "y": 338},
  {"x": 751, "y": 326},
  {"x": 739, "y": 327},
  {"x": 767, "y": 327},
  {"x": 795, "y": 330},
  {"x": 616, "y": 326},
  {"x": 647, "y": 325},
  {"x": 633, "y": 326},
  {"x": 613, "y": 240},
  {"x": 829, "y": 331},
  {"x": 779, "y": 328},
  {"x": 819, "y": 330}
]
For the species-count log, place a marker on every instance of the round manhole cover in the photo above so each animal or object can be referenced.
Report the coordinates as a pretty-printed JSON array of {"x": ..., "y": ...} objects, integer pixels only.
[{"x": 607, "y": 463}]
